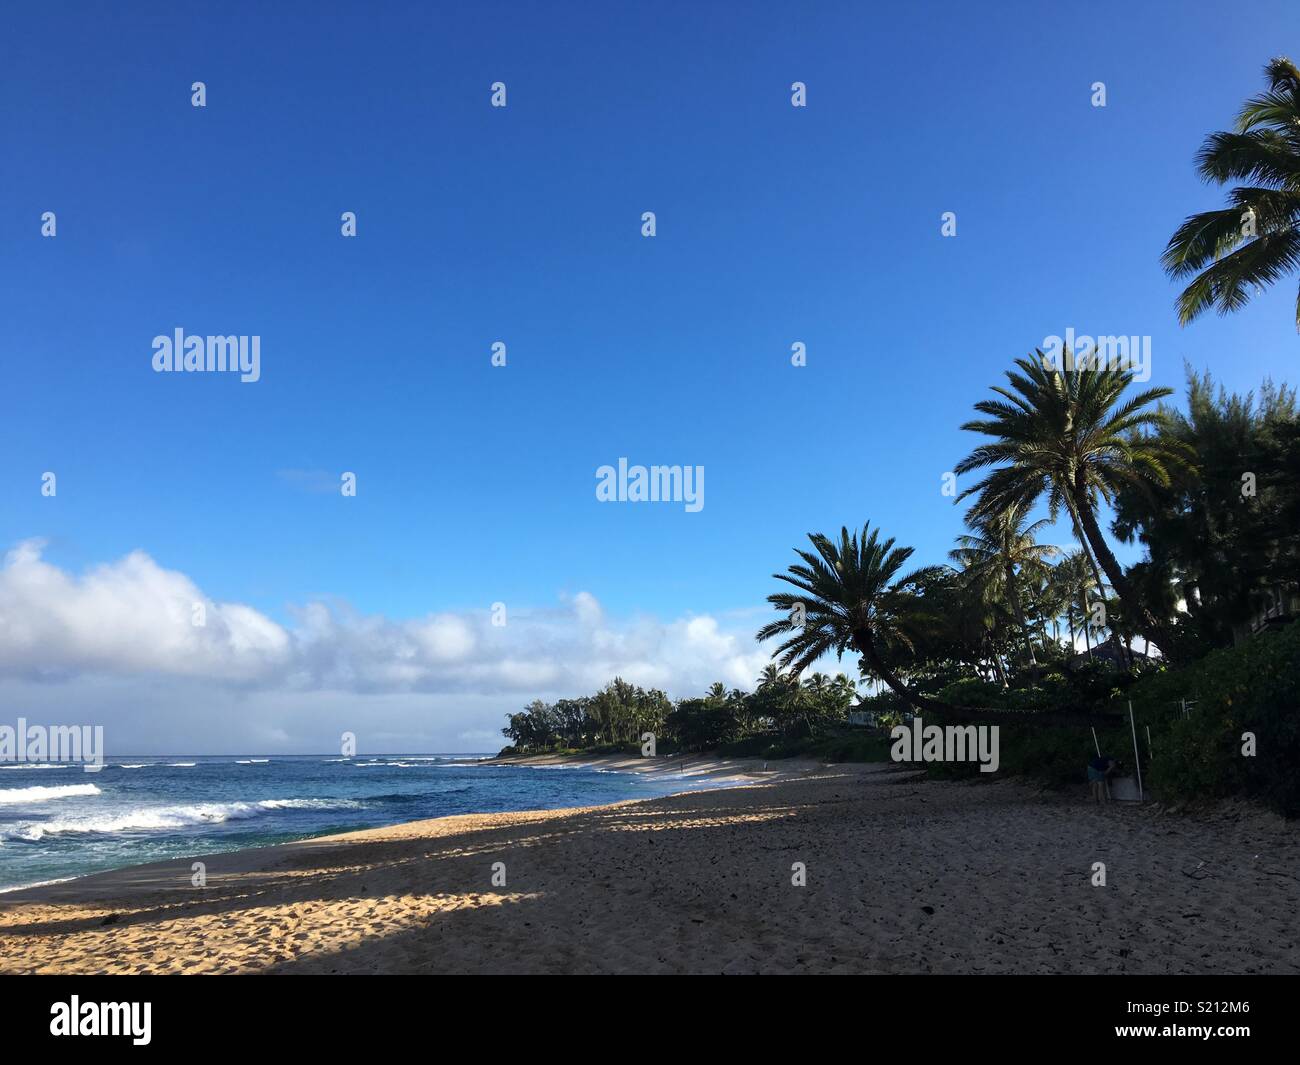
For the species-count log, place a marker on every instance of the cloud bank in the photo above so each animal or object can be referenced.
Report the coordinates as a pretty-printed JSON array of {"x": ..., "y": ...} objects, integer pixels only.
[{"x": 124, "y": 634}]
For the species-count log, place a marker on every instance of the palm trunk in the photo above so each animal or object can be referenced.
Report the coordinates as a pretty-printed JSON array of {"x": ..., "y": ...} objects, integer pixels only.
[
  {"x": 1146, "y": 621},
  {"x": 997, "y": 668},
  {"x": 1013, "y": 589},
  {"x": 1092, "y": 564}
]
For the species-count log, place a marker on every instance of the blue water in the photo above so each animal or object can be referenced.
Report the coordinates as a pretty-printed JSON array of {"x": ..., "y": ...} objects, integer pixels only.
[{"x": 60, "y": 821}]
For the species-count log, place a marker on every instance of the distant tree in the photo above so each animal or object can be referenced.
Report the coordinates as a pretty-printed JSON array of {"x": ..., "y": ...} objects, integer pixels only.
[{"x": 1000, "y": 555}]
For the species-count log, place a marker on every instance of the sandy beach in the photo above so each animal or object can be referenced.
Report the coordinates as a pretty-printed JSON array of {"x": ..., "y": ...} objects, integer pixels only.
[{"x": 903, "y": 875}]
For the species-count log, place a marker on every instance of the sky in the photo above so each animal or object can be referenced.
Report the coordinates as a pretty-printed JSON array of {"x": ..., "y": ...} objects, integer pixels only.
[{"x": 522, "y": 224}]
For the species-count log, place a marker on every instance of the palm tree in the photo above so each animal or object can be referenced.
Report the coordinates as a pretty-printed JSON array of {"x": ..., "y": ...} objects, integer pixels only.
[
  {"x": 1046, "y": 605},
  {"x": 1070, "y": 435},
  {"x": 1254, "y": 241},
  {"x": 844, "y": 587},
  {"x": 847, "y": 600},
  {"x": 1075, "y": 583},
  {"x": 997, "y": 554}
]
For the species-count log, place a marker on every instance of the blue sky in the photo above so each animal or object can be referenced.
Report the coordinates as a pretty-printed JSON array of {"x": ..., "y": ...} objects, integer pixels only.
[{"x": 522, "y": 224}]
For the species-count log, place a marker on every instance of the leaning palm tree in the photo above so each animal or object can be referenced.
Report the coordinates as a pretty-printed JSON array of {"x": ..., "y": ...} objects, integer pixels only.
[
  {"x": 1069, "y": 434},
  {"x": 846, "y": 598},
  {"x": 1254, "y": 242},
  {"x": 998, "y": 554}
]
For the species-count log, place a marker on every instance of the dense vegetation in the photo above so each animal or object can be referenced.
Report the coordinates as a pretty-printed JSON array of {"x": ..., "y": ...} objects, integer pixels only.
[
  {"x": 781, "y": 709},
  {"x": 1054, "y": 641}
]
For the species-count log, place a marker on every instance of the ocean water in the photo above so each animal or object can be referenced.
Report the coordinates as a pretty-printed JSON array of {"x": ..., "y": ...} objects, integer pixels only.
[{"x": 58, "y": 821}]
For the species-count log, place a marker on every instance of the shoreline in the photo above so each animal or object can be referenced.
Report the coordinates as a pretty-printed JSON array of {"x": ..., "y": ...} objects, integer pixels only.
[
  {"x": 716, "y": 771},
  {"x": 902, "y": 876},
  {"x": 721, "y": 771}
]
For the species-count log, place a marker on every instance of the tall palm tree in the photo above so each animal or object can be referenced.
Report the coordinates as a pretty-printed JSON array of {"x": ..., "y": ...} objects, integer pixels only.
[
  {"x": 844, "y": 589},
  {"x": 1070, "y": 434},
  {"x": 1255, "y": 241},
  {"x": 1001, "y": 551}
]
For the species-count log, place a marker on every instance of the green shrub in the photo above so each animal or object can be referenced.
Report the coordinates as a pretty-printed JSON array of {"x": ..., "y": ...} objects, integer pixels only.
[
  {"x": 1254, "y": 687},
  {"x": 1251, "y": 688},
  {"x": 841, "y": 745}
]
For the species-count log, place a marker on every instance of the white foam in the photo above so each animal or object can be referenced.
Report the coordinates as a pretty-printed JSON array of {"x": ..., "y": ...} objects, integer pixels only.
[
  {"x": 34, "y": 765},
  {"x": 36, "y": 884},
  {"x": 39, "y": 794},
  {"x": 165, "y": 818},
  {"x": 310, "y": 804}
]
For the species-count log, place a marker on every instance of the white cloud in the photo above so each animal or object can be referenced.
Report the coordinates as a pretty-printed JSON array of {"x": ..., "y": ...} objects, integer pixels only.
[
  {"x": 134, "y": 619},
  {"x": 129, "y": 616}
]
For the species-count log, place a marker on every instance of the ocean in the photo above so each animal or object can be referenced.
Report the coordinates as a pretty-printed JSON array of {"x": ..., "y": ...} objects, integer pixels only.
[{"x": 58, "y": 821}]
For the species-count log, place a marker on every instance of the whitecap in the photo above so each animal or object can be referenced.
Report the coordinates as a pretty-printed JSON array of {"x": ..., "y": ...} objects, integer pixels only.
[
  {"x": 39, "y": 794},
  {"x": 35, "y": 765},
  {"x": 165, "y": 818}
]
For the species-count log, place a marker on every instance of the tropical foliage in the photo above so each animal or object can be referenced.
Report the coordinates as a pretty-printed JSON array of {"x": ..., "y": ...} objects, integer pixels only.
[
  {"x": 620, "y": 714},
  {"x": 1232, "y": 253},
  {"x": 1221, "y": 537},
  {"x": 1069, "y": 436}
]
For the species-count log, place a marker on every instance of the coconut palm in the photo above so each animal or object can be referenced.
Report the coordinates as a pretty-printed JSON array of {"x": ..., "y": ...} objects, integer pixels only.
[
  {"x": 1068, "y": 433},
  {"x": 1253, "y": 242},
  {"x": 998, "y": 555},
  {"x": 847, "y": 599}
]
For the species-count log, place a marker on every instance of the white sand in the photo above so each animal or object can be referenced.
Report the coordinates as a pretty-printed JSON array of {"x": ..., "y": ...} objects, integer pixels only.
[{"x": 903, "y": 876}]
